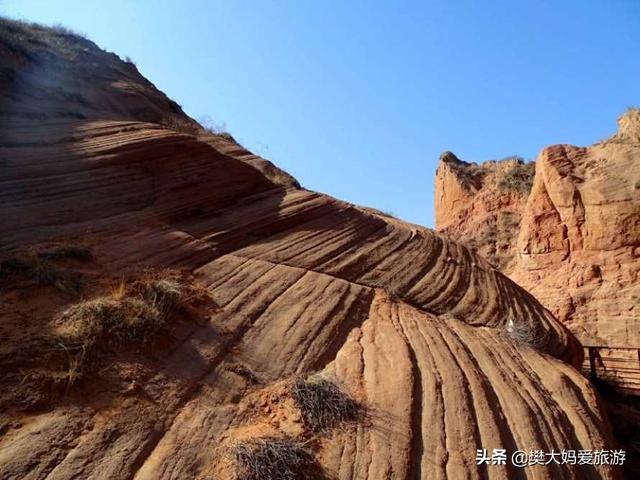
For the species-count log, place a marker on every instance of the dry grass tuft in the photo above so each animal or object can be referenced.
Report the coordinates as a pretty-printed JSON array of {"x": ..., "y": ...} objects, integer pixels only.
[
  {"x": 93, "y": 327},
  {"x": 272, "y": 458},
  {"x": 519, "y": 178},
  {"x": 164, "y": 294},
  {"x": 324, "y": 405},
  {"x": 42, "y": 272},
  {"x": 130, "y": 315},
  {"x": 523, "y": 333},
  {"x": 108, "y": 321},
  {"x": 119, "y": 290}
]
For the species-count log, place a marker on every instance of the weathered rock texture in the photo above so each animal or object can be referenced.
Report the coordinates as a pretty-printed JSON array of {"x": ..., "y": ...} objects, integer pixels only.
[
  {"x": 574, "y": 241},
  {"x": 481, "y": 205},
  {"x": 410, "y": 323}
]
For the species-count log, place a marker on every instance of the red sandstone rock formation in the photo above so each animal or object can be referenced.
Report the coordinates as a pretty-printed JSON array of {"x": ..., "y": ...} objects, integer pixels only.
[
  {"x": 579, "y": 244},
  {"x": 411, "y": 324},
  {"x": 481, "y": 205},
  {"x": 573, "y": 241}
]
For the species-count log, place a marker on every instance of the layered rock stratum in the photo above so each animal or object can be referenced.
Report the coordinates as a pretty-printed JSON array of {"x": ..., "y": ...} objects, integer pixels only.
[
  {"x": 571, "y": 237},
  {"x": 482, "y": 205},
  {"x": 411, "y": 324}
]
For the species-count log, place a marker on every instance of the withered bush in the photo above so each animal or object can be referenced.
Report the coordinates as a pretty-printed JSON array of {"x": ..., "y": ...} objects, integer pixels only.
[
  {"x": 132, "y": 315},
  {"x": 164, "y": 294},
  {"x": 324, "y": 405},
  {"x": 272, "y": 458},
  {"x": 522, "y": 333},
  {"x": 42, "y": 272},
  {"x": 519, "y": 178},
  {"x": 128, "y": 320}
]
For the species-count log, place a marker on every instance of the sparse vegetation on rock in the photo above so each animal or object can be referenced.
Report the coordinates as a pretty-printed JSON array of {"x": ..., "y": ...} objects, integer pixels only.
[
  {"x": 522, "y": 333},
  {"x": 273, "y": 458},
  {"x": 518, "y": 178},
  {"x": 41, "y": 270},
  {"x": 323, "y": 404},
  {"x": 30, "y": 39},
  {"x": 112, "y": 321},
  {"x": 299, "y": 277},
  {"x": 131, "y": 316}
]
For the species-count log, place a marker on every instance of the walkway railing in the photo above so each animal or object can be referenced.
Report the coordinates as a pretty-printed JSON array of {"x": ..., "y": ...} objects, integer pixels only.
[{"x": 618, "y": 365}]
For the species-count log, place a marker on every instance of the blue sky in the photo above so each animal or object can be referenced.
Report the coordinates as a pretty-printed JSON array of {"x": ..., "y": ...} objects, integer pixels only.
[{"x": 358, "y": 99}]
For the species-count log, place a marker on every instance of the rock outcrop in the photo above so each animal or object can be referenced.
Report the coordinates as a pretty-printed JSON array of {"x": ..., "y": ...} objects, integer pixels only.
[
  {"x": 481, "y": 205},
  {"x": 416, "y": 327},
  {"x": 579, "y": 243},
  {"x": 573, "y": 241}
]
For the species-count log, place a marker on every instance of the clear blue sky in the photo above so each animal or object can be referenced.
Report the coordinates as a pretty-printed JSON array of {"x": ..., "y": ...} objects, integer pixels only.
[{"x": 358, "y": 99}]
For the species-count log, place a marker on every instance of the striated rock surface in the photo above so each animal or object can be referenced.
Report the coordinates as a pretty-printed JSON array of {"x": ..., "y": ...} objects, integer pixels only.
[
  {"x": 481, "y": 205},
  {"x": 579, "y": 244},
  {"x": 411, "y": 324},
  {"x": 572, "y": 241}
]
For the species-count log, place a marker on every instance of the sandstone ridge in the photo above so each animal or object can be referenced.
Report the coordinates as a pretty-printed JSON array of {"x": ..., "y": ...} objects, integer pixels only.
[{"x": 413, "y": 325}]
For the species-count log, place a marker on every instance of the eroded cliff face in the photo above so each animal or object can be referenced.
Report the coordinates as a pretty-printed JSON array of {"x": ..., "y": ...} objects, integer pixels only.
[
  {"x": 579, "y": 245},
  {"x": 574, "y": 240},
  {"x": 481, "y": 205},
  {"x": 412, "y": 325}
]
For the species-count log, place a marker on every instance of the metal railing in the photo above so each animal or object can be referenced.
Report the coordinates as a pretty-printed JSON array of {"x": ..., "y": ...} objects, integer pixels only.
[{"x": 619, "y": 366}]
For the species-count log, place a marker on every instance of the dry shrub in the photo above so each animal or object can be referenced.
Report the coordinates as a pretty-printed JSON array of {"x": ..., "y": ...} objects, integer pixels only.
[
  {"x": 132, "y": 315},
  {"x": 206, "y": 126},
  {"x": 324, "y": 405},
  {"x": 522, "y": 333},
  {"x": 93, "y": 326},
  {"x": 169, "y": 291},
  {"x": 519, "y": 178},
  {"x": 211, "y": 127},
  {"x": 114, "y": 322},
  {"x": 164, "y": 294},
  {"x": 272, "y": 458},
  {"x": 42, "y": 272},
  {"x": 32, "y": 39},
  {"x": 180, "y": 124}
]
